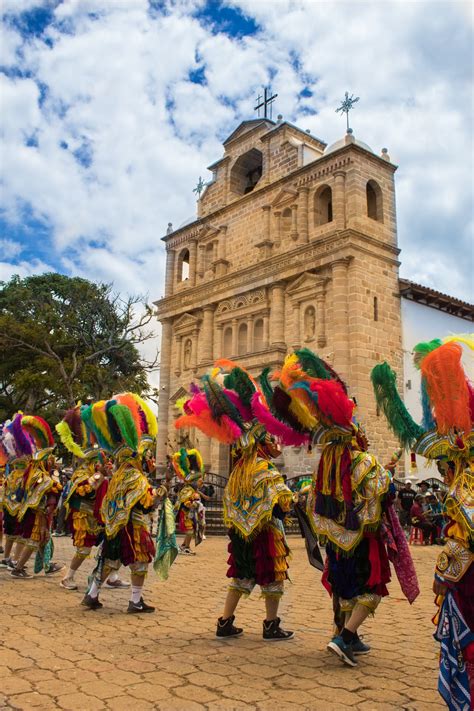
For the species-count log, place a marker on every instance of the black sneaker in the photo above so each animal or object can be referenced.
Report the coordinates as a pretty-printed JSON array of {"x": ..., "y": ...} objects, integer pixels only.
[
  {"x": 272, "y": 632},
  {"x": 342, "y": 650},
  {"x": 54, "y": 568},
  {"x": 5, "y": 563},
  {"x": 20, "y": 573},
  {"x": 136, "y": 608},
  {"x": 226, "y": 629},
  {"x": 93, "y": 603}
]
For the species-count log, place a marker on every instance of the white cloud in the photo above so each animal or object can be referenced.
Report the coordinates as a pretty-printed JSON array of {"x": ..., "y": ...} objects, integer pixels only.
[
  {"x": 118, "y": 96},
  {"x": 9, "y": 249},
  {"x": 23, "y": 269}
]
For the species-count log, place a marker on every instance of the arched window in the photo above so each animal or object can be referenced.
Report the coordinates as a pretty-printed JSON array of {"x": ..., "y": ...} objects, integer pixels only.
[
  {"x": 242, "y": 341},
  {"x": 323, "y": 205},
  {"x": 374, "y": 201},
  {"x": 227, "y": 342},
  {"x": 183, "y": 265},
  {"x": 286, "y": 221},
  {"x": 258, "y": 335},
  {"x": 246, "y": 172}
]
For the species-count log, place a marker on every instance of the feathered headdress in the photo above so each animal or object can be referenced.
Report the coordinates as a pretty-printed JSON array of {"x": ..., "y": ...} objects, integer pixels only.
[
  {"x": 40, "y": 434},
  {"x": 72, "y": 432},
  {"x": 447, "y": 399},
  {"x": 188, "y": 464}
]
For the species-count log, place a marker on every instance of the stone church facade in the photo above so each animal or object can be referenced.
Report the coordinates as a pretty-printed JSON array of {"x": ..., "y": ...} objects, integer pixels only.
[{"x": 294, "y": 244}]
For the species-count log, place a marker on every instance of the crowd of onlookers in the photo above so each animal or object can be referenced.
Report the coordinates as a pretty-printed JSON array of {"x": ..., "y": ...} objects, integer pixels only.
[{"x": 422, "y": 507}]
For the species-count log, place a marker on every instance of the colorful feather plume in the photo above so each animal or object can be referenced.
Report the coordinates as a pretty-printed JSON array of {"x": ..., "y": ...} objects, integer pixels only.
[
  {"x": 66, "y": 437},
  {"x": 428, "y": 419},
  {"x": 99, "y": 425},
  {"x": 240, "y": 381},
  {"x": 333, "y": 402},
  {"x": 283, "y": 432},
  {"x": 423, "y": 348},
  {"x": 151, "y": 426},
  {"x": 39, "y": 430},
  {"x": 23, "y": 443},
  {"x": 219, "y": 403},
  {"x": 399, "y": 419},
  {"x": 267, "y": 390},
  {"x": 224, "y": 431},
  {"x": 466, "y": 338},
  {"x": 447, "y": 388},
  {"x": 123, "y": 421}
]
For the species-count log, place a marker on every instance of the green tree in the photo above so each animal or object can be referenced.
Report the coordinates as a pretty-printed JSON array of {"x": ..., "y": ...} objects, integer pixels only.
[{"x": 64, "y": 339}]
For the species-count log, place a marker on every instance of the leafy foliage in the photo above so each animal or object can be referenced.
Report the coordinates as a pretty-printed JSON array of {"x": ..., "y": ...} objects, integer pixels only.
[{"x": 64, "y": 339}]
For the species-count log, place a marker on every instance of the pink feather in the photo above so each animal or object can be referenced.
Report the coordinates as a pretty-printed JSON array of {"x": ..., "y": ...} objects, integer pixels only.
[
  {"x": 245, "y": 412},
  {"x": 285, "y": 434}
]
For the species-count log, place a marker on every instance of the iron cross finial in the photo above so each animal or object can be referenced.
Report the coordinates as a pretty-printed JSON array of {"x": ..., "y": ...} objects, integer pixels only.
[
  {"x": 268, "y": 100},
  {"x": 199, "y": 187},
  {"x": 346, "y": 105}
]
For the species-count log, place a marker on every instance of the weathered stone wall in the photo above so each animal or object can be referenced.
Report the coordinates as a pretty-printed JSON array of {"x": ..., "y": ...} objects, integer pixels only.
[{"x": 296, "y": 262}]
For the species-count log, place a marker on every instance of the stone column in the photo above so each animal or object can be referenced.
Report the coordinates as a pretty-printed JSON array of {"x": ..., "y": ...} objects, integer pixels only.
[
  {"x": 218, "y": 345},
  {"x": 266, "y": 222},
  {"x": 339, "y": 199},
  {"x": 340, "y": 323},
  {"x": 277, "y": 239},
  {"x": 235, "y": 336},
  {"x": 303, "y": 214},
  {"x": 205, "y": 449},
  {"x": 277, "y": 315},
  {"x": 321, "y": 319},
  {"x": 207, "y": 333},
  {"x": 170, "y": 276},
  {"x": 296, "y": 324},
  {"x": 200, "y": 261},
  {"x": 250, "y": 334},
  {"x": 294, "y": 222},
  {"x": 164, "y": 396},
  {"x": 179, "y": 347},
  {"x": 192, "y": 262},
  {"x": 266, "y": 330}
]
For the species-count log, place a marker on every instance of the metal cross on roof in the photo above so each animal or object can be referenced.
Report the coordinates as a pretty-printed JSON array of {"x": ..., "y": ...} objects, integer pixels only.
[
  {"x": 199, "y": 187},
  {"x": 266, "y": 102},
  {"x": 346, "y": 105}
]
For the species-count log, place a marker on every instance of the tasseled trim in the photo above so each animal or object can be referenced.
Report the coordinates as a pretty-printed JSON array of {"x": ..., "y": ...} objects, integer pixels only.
[{"x": 83, "y": 536}]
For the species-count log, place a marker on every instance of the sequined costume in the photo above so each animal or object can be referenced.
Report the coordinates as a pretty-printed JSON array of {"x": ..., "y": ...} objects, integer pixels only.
[{"x": 446, "y": 435}]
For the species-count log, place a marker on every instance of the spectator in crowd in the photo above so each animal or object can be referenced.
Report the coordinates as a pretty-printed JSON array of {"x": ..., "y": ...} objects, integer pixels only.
[
  {"x": 435, "y": 513},
  {"x": 206, "y": 492},
  {"x": 420, "y": 519},
  {"x": 406, "y": 498}
]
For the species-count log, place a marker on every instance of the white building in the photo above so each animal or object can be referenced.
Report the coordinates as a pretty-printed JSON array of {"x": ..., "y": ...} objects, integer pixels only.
[{"x": 428, "y": 314}]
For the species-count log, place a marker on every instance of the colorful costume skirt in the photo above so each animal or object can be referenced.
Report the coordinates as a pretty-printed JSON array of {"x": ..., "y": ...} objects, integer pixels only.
[
  {"x": 262, "y": 559},
  {"x": 10, "y": 525},
  {"x": 361, "y": 576},
  {"x": 29, "y": 528},
  {"x": 85, "y": 529},
  {"x": 185, "y": 520},
  {"x": 132, "y": 544}
]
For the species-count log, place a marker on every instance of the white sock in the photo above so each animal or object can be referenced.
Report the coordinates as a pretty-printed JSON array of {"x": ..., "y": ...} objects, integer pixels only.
[
  {"x": 94, "y": 589},
  {"x": 70, "y": 574},
  {"x": 112, "y": 577},
  {"x": 136, "y": 593}
]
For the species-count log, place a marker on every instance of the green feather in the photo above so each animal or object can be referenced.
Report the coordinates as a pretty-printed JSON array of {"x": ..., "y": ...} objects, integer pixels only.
[
  {"x": 266, "y": 386},
  {"x": 124, "y": 420},
  {"x": 424, "y": 348},
  {"x": 313, "y": 364},
  {"x": 218, "y": 403},
  {"x": 239, "y": 381},
  {"x": 384, "y": 381}
]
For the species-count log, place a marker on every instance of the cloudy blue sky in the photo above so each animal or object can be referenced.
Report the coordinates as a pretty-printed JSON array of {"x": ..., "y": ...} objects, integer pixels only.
[{"x": 112, "y": 109}]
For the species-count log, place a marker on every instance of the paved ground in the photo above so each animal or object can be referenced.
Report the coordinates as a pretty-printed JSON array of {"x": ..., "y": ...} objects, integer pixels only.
[{"x": 57, "y": 655}]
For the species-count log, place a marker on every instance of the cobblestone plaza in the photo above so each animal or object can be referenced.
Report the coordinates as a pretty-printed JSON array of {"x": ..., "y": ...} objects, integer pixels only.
[{"x": 57, "y": 655}]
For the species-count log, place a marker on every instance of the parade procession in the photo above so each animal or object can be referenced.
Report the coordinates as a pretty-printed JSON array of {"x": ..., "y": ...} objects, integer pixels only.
[{"x": 346, "y": 511}]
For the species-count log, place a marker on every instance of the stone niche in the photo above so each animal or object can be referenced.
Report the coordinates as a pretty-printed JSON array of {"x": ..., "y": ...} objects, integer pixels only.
[
  {"x": 307, "y": 298},
  {"x": 186, "y": 330}
]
